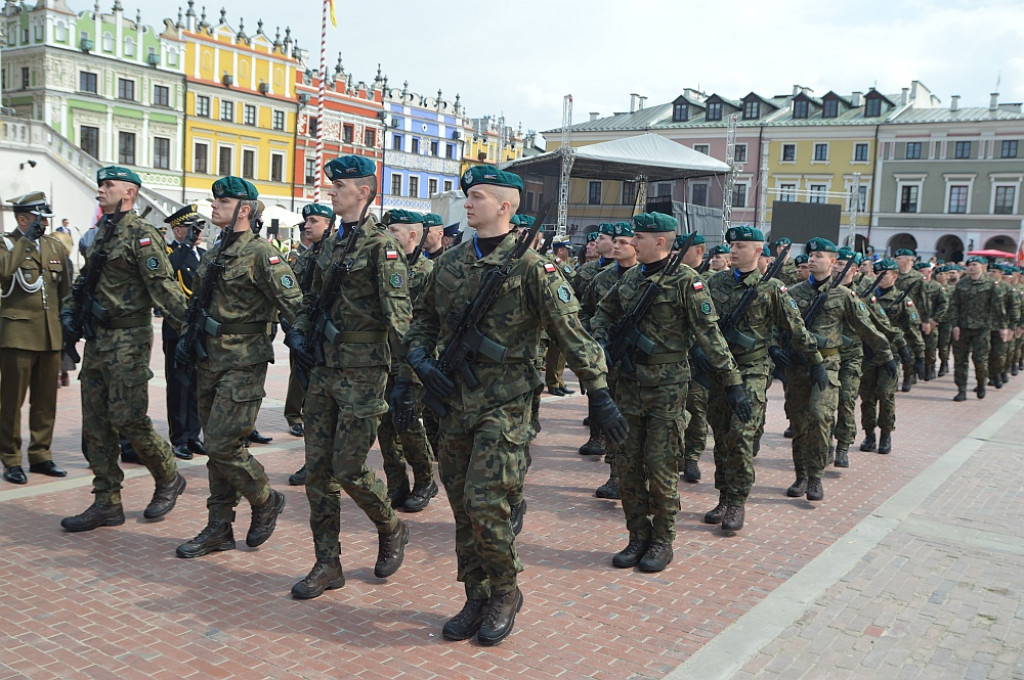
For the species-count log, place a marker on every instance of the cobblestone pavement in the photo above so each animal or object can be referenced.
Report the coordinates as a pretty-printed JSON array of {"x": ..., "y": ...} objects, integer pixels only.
[{"x": 910, "y": 567}]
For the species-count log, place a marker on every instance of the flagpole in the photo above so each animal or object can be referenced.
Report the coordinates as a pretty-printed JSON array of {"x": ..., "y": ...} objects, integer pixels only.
[{"x": 320, "y": 103}]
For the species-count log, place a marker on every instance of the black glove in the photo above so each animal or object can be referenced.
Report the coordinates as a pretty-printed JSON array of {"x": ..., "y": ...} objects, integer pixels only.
[
  {"x": 606, "y": 416},
  {"x": 67, "y": 325},
  {"x": 700, "y": 360},
  {"x": 295, "y": 340},
  {"x": 403, "y": 404},
  {"x": 904, "y": 353},
  {"x": 739, "y": 402},
  {"x": 892, "y": 368},
  {"x": 780, "y": 357},
  {"x": 819, "y": 376},
  {"x": 182, "y": 353},
  {"x": 192, "y": 237},
  {"x": 919, "y": 367},
  {"x": 430, "y": 373},
  {"x": 36, "y": 230}
]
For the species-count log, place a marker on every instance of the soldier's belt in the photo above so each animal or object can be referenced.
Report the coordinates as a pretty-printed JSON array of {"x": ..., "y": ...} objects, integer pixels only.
[
  {"x": 215, "y": 329},
  {"x": 828, "y": 351},
  {"x": 127, "y": 322},
  {"x": 664, "y": 358},
  {"x": 750, "y": 357},
  {"x": 335, "y": 337}
]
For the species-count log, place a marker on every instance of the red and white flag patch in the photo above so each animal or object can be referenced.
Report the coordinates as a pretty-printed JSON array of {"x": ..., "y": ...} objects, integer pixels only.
[
  {"x": 910, "y": 303},
  {"x": 698, "y": 285},
  {"x": 550, "y": 268},
  {"x": 391, "y": 255},
  {"x": 274, "y": 259},
  {"x": 783, "y": 289},
  {"x": 145, "y": 241}
]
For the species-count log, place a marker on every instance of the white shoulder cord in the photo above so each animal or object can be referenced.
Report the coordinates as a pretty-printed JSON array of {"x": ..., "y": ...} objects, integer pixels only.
[{"x": 19, "y": 278}]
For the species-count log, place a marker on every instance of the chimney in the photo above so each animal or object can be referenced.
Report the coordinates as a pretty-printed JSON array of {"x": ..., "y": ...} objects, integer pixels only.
[
  {"x": 994, "y": 102},
  {"x": 632, "y": 102},
  {"x": 954, "y": 103},
  {"x": 855, "y": 99},
  {"x": 796, "y": 90},
  {"x": 594, "y": 115},
  {"x": 642, "y": 101},
  {"x": 905, "y": 97}
]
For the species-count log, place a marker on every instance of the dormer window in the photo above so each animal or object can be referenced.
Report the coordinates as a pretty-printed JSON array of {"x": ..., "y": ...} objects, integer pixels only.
[
  {"x": 800, "y": 108},
  {"x": 751, "y": 110},
  {"x": 714, "y": 111},
  {"x": 829, "y": 109},
  {"x": 680, "y": 112},
  {"x": 872, "y": 107}
]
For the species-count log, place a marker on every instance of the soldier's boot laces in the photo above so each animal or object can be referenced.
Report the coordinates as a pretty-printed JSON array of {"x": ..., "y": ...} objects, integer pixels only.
[
  {"x": 657, "y": 557},
  {"x": 516, "y": 515},
  {"x": 798, "y": 488},
  {"x": 610, "y": 489},
  {"x": 869, "y": 442},
  {"x": 630, "y": 555},
  {"x": 500, "y": 618},
  {"x": 733, "y": 520},
  {"x": 885, "y": 443},
  {"x": 298, "y": 478},
  {"x": 164, "y": 498},
  {"x": 325, "y": 575},
  {"x": 96, "y": 515},
  {"x": 466, "y": 623},
  {"x": 691, "y": 471},
  {"x": 815, "y": 492},
  {"x": 420, "y": 497},
  {"x": 715, "y": 514},
  {"x": 215, "y": 536},
  {"x": 391, "y": 551},
  {"x": 842, "y": 456},
  {"x": 264, "y": 519}
]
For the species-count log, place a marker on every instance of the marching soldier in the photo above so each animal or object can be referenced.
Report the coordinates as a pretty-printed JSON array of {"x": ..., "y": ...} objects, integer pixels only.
[
  {"x": 1015, "y": 346},
  {"x": 719, "y": 258},
  {"x": 554, "y": 360},
  {"x": 244, "y": 280},
  {"x": 33, "y": 280},
  {"x": 912, "y": 282},
  {"x": 604, "y": 244},
  {"x": 484, "y": 433},
  {"x": 975, "y": 307},
  {"x": 938, "y": 302},
  {"x": 997, "y": 358},
  {"x": 182, "y": 409},
  {"x": 432, "y": 244},
  {"x": 811, "y": 401},
  {"x": 942, "y": 277},
  {"x": 132, "y": 274},
  {"x": 851, "y": 361},
  {"x": 695, "y": 438},
  {"x": 803, "y": 268}
]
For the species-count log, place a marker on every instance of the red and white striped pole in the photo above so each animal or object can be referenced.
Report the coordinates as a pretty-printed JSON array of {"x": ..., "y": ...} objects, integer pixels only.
[{"x": 320, "y": 104}]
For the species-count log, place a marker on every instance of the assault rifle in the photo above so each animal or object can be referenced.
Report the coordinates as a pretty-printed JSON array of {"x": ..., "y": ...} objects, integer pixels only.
[
  {"x": 415, "y": 254},
  {"x": 87, "y": 309},
  {"x": 626, "y": 344}
]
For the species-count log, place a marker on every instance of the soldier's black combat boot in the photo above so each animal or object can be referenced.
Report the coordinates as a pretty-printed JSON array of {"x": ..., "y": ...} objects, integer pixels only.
[
  {"x": 943, "y": 368},
  {"x": 842, "y": 456},
  {"x": 264, "y": 519},
  {"x": 500, "y": 618},
  {"x": 610, "y": 489},
  {"x": 391, "y": 551},
  {"x": 905, "y": 387},
  {"x": 733, "y": 520},
  {"x": 715, "y": 514},
  {"x": 929, "y": 373},
  {"x": 515, "y": 516},
  {"x": 398, "y": 493},
  {"x": 788, "y": 434},
  {"x": 980, "y": 390},
  {"x": 164, "y": 498},
  {"x": 1005, "y": 377},
  {"x": 299, "y": 477},
  {"x": 96, "y": 515},
  {"x": 466, "y": 623},
  {"x": 1014, "y": 370},
  {"x": 815, "y": 492},
  {"x": 216, "y": 536},
  {"x": 885, "y": 442},
  {"x": 325, "y": 575},
  {"x": 997, "y": 381},
  {"x": 798, "y": 488},
  {"x": 657, "y": 557},
  {"x": 869, "y": 441},
  {"x": 595, "y": 446},
  {"x": 691, "y": 471},
  {"x": 961, "y": 396},
  {"x": 631, "y": 554},
  {"x": 420, "y": 496}
]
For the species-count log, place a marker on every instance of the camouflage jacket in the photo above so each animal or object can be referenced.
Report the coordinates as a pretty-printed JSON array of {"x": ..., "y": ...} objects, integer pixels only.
[
  {"x": 771, "y": 310},
  {"x": 565, "y": 267},
  {"x": 599, "y": 286},
  {"x": 255, "y": 282},
  {"x": 788, "y": 273},
  {"x": 372, "y": 309},
  {"x": 136, "y": 277},
  {"x": 418, "y": 272},
  {"x": 977, "y": 305},
  {"x": 1011, "y": 304},
  {"x": 587, "y": 273},
  {"x": 938, "y": 300},
  {"x": 682, "y": 314},
  {"x": 535, "y": 295},
  {"x": 893, "y": 333},
  {"x": 31, "y": 320},
  {"x": 902, "y": 315},
  {"x": 841, "y": 310},
  {"x": 915, "y": 283}
]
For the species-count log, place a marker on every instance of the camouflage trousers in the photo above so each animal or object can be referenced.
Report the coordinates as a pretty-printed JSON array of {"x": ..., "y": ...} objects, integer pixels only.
[
  {"x": 812, "y": 414},
  {"x": 734, "y": 439},
  {"x": 482, "y": 462},
  {"x": 945, "y": 341},
  {"x": 996, "y": 353},
  {"x": 115, "y": 402},
  {"x": 647, "y": 463},
  {"x": 1018, "y": 351},
  {"x": 850, "y": 370},
  {"x": 1009, "y": 352},
  {"x": 931, "y": 348},
  {"x": 228, "y": 404},
  {"x": 343, "y": 410},
  {"x": 398, "y": 448},
  {"x": 294, "y": 397},
  {"x": 974, "y": 343},
  {"x": 695, "y": 438},
  {"x": 877, "y": 399}
]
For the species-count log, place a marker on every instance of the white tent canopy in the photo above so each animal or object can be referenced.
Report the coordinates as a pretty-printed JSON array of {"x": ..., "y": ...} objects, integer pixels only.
[{"x": 650, "y": 156}]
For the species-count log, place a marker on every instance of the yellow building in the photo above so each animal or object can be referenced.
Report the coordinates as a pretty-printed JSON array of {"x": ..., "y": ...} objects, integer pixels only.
[
  {"x": 240, "y": 110},
  {"x": 490, "y": 142}
]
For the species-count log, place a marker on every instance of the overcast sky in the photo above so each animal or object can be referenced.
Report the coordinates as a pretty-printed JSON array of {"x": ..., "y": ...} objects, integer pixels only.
[{"x": 520, "y": 58}]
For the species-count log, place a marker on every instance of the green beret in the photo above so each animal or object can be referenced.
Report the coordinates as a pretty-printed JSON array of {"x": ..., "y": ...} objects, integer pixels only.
[
  {"x": 234, "y": 187},
  {"x": 516, "y": 220},
  {"x": 782, "y": 242},
  {"x": 117, "y": 172},
  {"x": 721, "y": 249},
  {"x": 766, "y": 251},
  {"x": 432, "y": 220},
  {"x": 350, "y": 167},
  {"x": 819, "y": 244},
  {"x": 801, "y": 259},
  {"x": 743, "y": 233},
  {"x": 33, "y": 202},
  {"x": 187, "y": 214},
  {"x": 318, "y": 209},
  {"x": 624, "y": 229},
  {"x": 606, "y": 228},
  {"x": 527, "y": 220},
  {"x": 885, "y": 266},
  {"x": 654, "y": 222},
  {"x": 488, "y": 174},
  {"x": 922, "y": 265},
  {"x": 592, "y": 236},
  {"x": 846, "y": 253},
  {"x": 995, "y": 265},
  {"x": 906, "y": 252},
  {"x": 403, "y": 217},
  {"x": 681, "y": 239},
  {"x": 858, "y": 258}
]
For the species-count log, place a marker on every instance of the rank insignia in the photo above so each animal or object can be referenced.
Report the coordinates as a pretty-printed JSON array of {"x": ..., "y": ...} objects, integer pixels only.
[
  {"x": 391, "y": 255},
  {"x": 152, "y": 263},
  {"x": 564, "y": 294},
  {"x": 287, "y": 281},
  {"x": 396, "y": 280}
]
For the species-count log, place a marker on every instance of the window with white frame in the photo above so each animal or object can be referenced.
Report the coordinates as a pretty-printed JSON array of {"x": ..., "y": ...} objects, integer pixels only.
[
  {"x": 740, "y": 153},
  {"x": 396, "y": 185},
  {"x": 959, "y": 189},
  {"x": 1005, "y": 190},
  {"x": 818, "y": 193},
  {"x": 739, "y": 195},
  {"x": 702, "y": 148},
  {"x": 787, "y": 191},
  {"x": 821, "y": 152},
  {"x": 276, "y": 167},
  {"x": 862, "y": 198},
  {"x": 789, "y": 153},
  {"x": 860, "y": 153},
  {"x": 699, "y": 193},
  {"x": 594, "y": 192}
]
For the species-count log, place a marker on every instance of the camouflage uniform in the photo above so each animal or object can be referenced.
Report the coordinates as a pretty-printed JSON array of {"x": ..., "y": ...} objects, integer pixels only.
[
  {"x": 998, "y": 358},
  {"x": 771, "y": 310},
  {"x": 975, "y": 307},
  {"x": 300, "y": 264},
  {"x": 915, "y": 283},
  {"x": 788, "y": 273},
  {"x": 115, "y": 365},
  {"x": 255, "y": 280},
  {"x": 938, "y": 302},
  {"x": 1018, "y": 343},
  {"x": 945, "y": 330},
  {"x": 813, "y": 412},
  {"x": 345, "y": 399},
  {"x": 484, "y": 435},
  {"x": 554, "y": 358},
  {"x": 878, "y": 388},
  {"x": 653, "y": 397}
]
